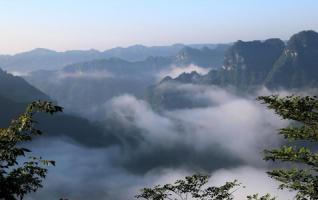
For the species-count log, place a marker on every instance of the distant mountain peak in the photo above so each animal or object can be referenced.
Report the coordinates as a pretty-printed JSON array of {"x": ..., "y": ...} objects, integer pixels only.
[
  {"x": 192, "y": 77},
  {"x": 42, "y": 51},
  {"x": 303, "y": 39},
  {"x": 138, "y": 46},
  {"x": 166, "y": 79},
  {"x": 297, "y": 66},
  {"x": 310, "y": 33}
]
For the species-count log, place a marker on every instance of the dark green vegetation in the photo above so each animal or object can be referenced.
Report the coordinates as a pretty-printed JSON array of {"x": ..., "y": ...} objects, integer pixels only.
[
  {"x": 302, "y": 173},
  {"x": 192, "y": 187},
  {"x": 17, "y": 180}
]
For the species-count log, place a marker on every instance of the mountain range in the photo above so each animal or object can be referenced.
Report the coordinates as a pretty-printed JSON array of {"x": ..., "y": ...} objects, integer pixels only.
[
  {"x": 74, "y": 85},
  {"x": 41, "y": 58},
  {"x": 248, "y": 66},
  {"x": 84, "y": 87},
  {"x": 270, "y": 63}
]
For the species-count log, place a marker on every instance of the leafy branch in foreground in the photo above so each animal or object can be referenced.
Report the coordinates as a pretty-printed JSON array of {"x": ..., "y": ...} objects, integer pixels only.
[
  {"x": 191, "y": 187},
  {"x": 16, "y": 179},
  {"x": 256, "y": 197},
  {"x": 302, "y": 177}
]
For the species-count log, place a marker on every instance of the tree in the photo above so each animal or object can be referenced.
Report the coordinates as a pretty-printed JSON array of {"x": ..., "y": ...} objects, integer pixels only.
[
  {"x": 301, "y": 150},
  {"x": 191, "y": 187},
  {"x": 256, "y": 197},
  {"x": 16, "y": 180}
]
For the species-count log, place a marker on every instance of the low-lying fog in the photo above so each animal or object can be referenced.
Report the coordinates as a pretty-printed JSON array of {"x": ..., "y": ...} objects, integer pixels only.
[{"x": 224, "y": 139}]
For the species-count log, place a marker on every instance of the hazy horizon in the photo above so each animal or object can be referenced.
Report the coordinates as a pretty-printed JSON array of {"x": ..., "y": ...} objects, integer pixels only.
[
  {"x": 100, "y": 25},
  {"x": 101, "y": 50},
  {"x": 145, "y": 45}
]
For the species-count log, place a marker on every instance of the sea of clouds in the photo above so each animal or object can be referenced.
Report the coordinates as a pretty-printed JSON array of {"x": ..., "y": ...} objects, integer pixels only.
[{"x": 224, "y": 139}]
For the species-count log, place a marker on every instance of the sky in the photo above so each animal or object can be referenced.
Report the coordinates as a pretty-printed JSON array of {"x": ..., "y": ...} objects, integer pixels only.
[{"x": 102, "y": 24}]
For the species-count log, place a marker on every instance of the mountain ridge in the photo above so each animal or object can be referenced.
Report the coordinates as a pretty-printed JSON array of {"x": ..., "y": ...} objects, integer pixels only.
[
  {"x": 249, "y": 66},
  {"x": 16, "y": 94},
  {"x": 240, "y": 60},
  {"x": 41, "y": 58}
]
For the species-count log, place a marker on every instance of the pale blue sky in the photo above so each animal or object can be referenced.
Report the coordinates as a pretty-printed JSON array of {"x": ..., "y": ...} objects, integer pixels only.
[{"x": 102, "y": 24}]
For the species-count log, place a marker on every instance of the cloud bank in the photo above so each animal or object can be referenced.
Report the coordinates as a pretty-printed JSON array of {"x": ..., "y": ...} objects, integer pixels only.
[
  {"x": 83, "y": 173},
  {"x": 224, "y": 138},
  {"x": 175, "y": 71}
]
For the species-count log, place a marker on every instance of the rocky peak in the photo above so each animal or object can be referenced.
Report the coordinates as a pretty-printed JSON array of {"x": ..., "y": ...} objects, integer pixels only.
[{"x": 253, "y": 55}]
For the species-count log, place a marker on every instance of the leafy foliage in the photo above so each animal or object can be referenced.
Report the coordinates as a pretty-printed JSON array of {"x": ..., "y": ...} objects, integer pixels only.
[
  {"x": 17, "y": 180},
  {"x": 191, "y": 187},
  {"x": 256, "y": 197},
  {"x": 302, "y": 177}
]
